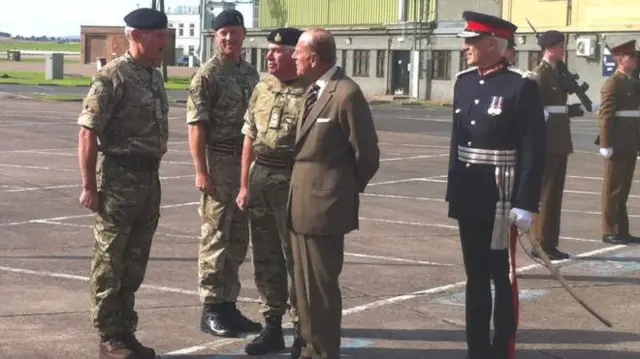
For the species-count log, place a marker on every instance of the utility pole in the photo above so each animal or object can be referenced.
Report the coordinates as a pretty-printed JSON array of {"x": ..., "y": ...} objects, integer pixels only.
[{"x": 154, "y": 5}]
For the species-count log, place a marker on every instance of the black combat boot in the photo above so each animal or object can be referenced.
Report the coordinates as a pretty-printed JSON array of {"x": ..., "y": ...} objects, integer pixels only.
[
  {"x": 270, "y": 340},
  {"x": 296, "y": 347},
  {"x": 216, "y": 320},
  {"x": 115, "y": 348},
  {"x": 238, "y": 321},
  {"x": 140, "y": 350}
]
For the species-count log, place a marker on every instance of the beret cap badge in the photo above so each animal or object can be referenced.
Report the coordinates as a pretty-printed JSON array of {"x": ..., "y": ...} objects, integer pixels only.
[{"x": 277, "y": 38}]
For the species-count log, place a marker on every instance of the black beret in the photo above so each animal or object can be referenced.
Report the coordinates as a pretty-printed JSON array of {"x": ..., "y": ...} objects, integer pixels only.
[
  {"x": 550, "y": 38},
  {"x": 284, "y": 36},
  {"x": 229, "y": 17},
  {"x": 483, "y": 24},
  {"x": 146, "y": 19}
]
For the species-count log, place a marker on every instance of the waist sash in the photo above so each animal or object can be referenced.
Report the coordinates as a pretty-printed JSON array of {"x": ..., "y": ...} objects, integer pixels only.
[{"x": 504, "y": 162}]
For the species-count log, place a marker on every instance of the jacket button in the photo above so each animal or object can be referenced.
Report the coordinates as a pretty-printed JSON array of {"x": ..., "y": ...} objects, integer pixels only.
[
  {"x": 473, "y": 122},
  {"x": 468, "y": 165}
]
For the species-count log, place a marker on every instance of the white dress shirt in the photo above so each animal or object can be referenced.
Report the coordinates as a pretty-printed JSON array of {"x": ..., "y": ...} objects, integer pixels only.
[{"x": 324, "y": 79}]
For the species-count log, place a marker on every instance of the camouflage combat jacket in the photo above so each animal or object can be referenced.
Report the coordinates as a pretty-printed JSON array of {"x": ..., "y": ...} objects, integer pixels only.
[
  {"x": 219, "y": 95},
  {"x": 272, "y": 117},
  {"x": 127, "y": 106}
]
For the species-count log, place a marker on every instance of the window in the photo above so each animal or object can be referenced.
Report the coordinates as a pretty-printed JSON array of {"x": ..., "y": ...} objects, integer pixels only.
[
  {"x": 180, "y": 29},
  {"x": 361, "y": 63},
  {"x": 263, "y": 60},
  {"x": 534, "y": 59},
  {"x": 256, "y": 13},
  {"x": 463, "y": 61},
  {"x": 440, "y": 65},
  {"x": 171, "y": 25},
  {"x": 344, "y": 61},
  {"x": 254, "y": 57},
  {"x": 380, "y": 61},
  {"x": 191, "y": 48},
  {"x": 192, "y": 30}
]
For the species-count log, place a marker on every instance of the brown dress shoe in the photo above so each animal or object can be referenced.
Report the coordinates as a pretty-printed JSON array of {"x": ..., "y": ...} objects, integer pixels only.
[
  {"x": 114, "y": 348},
  {"x": 140, "y": 350}
]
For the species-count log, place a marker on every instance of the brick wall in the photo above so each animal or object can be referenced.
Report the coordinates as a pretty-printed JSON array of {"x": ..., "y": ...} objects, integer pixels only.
[{"x": 115, "y": 42}]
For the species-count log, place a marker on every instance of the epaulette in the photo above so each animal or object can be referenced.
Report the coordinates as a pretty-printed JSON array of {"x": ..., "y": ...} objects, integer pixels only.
[
  {"x": 473, "y": 68},
  {"x": 526, "y": 74}
]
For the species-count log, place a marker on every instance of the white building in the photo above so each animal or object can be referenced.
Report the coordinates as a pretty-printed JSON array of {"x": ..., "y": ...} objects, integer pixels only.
[{"x": 186, "y": 21}]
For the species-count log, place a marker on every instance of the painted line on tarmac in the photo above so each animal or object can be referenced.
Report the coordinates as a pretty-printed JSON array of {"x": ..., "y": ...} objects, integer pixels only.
[
  {"x": 45, "y": 188},
  {"x": 591, "y": 178},
  {"x": 412, "y": 157},
  {"x": 62, "y": 218},
  {"x": 37, "y": 167},
  {"x": 411, "y": 145},
  {"x": 393, "y": 300},
  {"x": 158, "y": 288}
]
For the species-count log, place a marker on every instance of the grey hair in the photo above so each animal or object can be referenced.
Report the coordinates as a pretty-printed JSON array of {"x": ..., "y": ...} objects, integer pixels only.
[
  {"x": 501, "y": 44},
  {"x": 127, "y": 32}
]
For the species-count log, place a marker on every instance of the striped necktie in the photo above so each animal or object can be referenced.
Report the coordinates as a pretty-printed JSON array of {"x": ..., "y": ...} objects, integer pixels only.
[{"x": 312, "y": 97}]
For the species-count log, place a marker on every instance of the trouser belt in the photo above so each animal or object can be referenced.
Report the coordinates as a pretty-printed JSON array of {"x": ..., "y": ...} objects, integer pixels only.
[
  {"x": 226, "y": 148},
  {"x": 274, "y": 162},
  {"x": 135, "y": 162},
  {"x": 628, "y": 113}
]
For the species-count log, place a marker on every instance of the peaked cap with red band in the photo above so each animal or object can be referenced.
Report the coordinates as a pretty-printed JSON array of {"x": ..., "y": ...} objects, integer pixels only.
[
  {"x": 479, "y": 24},
  {"x": 626, "y": 48}
]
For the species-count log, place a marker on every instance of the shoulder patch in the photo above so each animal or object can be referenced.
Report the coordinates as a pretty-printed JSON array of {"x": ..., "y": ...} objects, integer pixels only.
[
  {"x": 469, "y": 70},
  {"x": 525, "y": 73}
]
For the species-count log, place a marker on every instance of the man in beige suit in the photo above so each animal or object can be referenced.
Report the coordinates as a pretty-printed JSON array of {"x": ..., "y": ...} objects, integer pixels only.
[{"x": 335, "y": 156}]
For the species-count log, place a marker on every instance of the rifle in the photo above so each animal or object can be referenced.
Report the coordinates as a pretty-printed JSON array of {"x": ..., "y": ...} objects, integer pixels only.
[{"x": 568, "y": 80}]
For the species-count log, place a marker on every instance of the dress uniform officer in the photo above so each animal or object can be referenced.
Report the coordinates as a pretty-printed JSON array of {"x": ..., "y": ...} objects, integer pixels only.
[
  {"x": 559, "y": 142},
  {"x": 495, "y": 172},
  {"x": 619, "y": 142}
]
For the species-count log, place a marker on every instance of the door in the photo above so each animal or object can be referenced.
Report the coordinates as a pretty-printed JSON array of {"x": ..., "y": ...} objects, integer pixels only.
[
  {"x": 400, "y": 75},
  {"x": 97, "y": 47}
]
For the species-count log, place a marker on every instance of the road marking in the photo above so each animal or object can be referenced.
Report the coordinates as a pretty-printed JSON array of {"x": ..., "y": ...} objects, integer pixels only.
[
  {"x": 412, "y": 157},
  {"x": 411, "y": 145},
  {"x": 394, "y": 259},
  {"x": 436, "y": 225},
  {"x": 592, "y": 178},
  {"x": 158, "y": 288},
  {"x": 394, "y": 300},
  {"x": 45, "y": 188},
  {"x": 62, "y": 218},
  {"x": 37, "y": 167}
]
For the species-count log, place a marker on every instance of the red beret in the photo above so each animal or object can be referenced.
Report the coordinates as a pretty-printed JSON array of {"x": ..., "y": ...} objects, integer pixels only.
[{"x": 626, "y": 48}]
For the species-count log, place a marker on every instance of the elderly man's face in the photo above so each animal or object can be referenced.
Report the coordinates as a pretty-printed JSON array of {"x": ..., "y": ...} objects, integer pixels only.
[
  {"x": 151, "y": 43},
  {"x": 477, "y": 49},
  {"x": 304, "y": 57},
  {"x": 230, "y": 39},
  {"x": 280, "y": 61}
]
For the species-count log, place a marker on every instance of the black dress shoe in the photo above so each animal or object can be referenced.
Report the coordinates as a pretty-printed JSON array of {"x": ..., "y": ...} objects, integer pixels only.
[
  {"x": 615, "y": 239},
  {"x": 215, "y": 320},
  {"x": 632, "y": 239},
  {"x": 558, "y": 254},
  {"x": 239, "y": 322}
]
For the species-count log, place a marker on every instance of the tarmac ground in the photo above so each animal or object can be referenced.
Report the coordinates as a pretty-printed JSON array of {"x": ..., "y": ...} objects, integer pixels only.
[{"x": 403, "y": 279}]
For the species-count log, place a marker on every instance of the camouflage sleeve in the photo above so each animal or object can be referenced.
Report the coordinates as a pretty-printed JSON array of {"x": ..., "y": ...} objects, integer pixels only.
[
  {"x": 98, "y": 105},
  {"x": 249, "y": 128},
  {"x": 201, "y": 97}
]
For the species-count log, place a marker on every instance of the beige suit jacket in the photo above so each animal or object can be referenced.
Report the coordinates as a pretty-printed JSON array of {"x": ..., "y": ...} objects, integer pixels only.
[{"x": 335, "y": 156}]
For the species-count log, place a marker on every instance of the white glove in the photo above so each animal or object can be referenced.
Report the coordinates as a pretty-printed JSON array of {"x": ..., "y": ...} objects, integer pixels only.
[
  {"x": 521, "y": 218},
  {"x": 606, "y": 152},
  {"x": 594, "y": 107}
]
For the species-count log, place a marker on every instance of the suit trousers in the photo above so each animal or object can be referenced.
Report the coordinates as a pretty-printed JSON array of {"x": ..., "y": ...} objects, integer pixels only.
[
  {"x": 616, "y": 185},
  {"x": 547, "y": 225},
  {"x": 317, "y": 264},
  {"x": 481, "y": 265}
]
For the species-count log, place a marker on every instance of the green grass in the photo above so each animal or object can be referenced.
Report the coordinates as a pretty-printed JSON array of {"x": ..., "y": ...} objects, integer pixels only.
[
  {"x": 33, "y": 78},
  {"x": 39, "y": 46}
]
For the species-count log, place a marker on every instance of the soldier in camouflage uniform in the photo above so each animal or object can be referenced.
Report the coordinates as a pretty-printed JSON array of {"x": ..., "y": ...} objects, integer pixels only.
[
  {"x": 270, "y": 132},
  {"x": 218, "y": 98},
  {"x": 126, "y": 112}
]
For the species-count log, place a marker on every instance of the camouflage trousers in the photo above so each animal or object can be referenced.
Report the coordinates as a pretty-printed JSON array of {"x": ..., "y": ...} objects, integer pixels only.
[
  {"x": 225, "y": 236},
  {"x": 270, "y": 240},
  {"x": 123, "y": 229}
]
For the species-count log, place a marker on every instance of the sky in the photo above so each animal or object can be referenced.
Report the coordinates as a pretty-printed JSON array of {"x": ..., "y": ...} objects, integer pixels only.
[{"x": 64, "y": 17}]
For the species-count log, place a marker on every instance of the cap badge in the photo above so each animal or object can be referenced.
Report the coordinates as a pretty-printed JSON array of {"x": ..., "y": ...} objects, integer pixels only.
[{"x": 277, "y": 38}]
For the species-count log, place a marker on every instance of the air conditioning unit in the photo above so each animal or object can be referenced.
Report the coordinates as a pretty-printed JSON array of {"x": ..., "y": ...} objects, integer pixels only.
[{"x": 585, "y": 47}]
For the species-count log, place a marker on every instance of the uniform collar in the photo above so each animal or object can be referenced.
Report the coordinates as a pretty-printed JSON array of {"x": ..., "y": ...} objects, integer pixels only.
[
  {"x": 135, "y": 63},
  {"x": 489, "y": 70}
]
